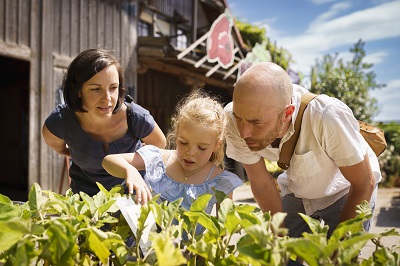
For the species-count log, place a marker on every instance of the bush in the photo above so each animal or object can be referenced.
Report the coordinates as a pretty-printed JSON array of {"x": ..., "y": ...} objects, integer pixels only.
[{"x": 52, "y": 229}]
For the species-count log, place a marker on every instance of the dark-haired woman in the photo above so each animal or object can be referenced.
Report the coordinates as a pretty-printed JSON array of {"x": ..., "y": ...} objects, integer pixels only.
[{"x": 96, "y": 121}]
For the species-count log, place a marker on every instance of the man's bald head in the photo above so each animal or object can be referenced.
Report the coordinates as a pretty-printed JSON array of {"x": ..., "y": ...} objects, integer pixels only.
[{"x": 265, "y": 83}]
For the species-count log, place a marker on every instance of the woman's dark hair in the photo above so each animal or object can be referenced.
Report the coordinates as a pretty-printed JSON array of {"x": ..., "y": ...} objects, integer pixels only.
[{"x": 87, "y": 64}]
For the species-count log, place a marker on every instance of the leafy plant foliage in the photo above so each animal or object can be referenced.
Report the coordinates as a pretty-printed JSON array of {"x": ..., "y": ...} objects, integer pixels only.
[
  {"x": 75, "y": 229},
  {"x": 348, "y": 81}
]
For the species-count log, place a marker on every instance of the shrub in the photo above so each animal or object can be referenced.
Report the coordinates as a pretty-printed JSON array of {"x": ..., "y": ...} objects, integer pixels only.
[{"x": 75, "y": 229}]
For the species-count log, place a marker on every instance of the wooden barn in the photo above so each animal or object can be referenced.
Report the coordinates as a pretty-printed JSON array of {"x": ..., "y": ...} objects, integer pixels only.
[{"x": 168, "y": 48}]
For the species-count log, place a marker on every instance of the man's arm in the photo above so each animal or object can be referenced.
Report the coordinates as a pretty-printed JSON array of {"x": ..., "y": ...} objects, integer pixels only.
[
  {"x": 263, "y": 187},
  {"x": 362, "y": 182}
]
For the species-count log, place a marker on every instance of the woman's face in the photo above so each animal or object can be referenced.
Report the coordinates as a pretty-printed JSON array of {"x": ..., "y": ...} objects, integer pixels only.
[
  {"x": 100, "y": 93},
  {"x": 194, "y": 146}
]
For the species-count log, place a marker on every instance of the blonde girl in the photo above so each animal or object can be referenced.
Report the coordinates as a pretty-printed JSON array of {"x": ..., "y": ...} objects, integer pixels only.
[{"x": 193, "y": 165}]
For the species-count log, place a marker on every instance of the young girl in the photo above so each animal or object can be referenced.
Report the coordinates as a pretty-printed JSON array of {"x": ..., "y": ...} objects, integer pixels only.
[{"x": 194, "y": 168}]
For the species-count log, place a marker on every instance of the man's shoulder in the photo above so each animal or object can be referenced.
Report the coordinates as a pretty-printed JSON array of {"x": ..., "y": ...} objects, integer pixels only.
[{"x": 229, "y": 107}]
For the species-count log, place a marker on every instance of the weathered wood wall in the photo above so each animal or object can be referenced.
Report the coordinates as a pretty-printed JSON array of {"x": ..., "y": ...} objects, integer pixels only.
[{"x": 49, "y": 34}]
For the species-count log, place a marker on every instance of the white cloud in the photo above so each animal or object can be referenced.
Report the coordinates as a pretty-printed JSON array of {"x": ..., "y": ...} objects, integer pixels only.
[
  {"x": 371, "y": 24},
  {"x": 375, "y": 58},
  {"x": 332, "y": 12}
]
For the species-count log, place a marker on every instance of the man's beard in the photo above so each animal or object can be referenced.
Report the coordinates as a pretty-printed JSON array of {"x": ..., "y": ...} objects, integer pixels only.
[{"x": 271, "y": 136}]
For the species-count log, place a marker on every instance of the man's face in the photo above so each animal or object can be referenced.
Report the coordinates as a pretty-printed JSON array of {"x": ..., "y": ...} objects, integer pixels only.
[{"x": 258, "y": 126}]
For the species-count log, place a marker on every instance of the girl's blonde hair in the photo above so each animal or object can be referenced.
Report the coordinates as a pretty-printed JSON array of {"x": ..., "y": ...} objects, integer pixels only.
[{"x": 201, "y": 108}]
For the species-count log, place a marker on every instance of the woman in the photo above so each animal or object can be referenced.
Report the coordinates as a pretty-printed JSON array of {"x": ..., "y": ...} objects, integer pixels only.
[{"x": 95, "y": 120}]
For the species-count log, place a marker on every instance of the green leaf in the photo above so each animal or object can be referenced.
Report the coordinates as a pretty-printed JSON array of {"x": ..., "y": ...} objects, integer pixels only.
[
  {"x": 258, "y": 253},
  {"x": 225, "y": 207},
  {"x": 277, "y": 221},
  {"x": 205, "y": 220},
  {"x": 103, "y": 189},
  {"x": 314, "y": 225},
  {"x": 232, "y": 222},
  {"x": 170, "y": 210},
  {"x": 98, "y": 244},
  {"x": 11, "y": 232},
  {"x": 106, "y": 207},
  {"x": 352, "y": 246},
  {"x": 305, "y": 249},
  {"x": 8, "y": 211},
  {"x": 167, "y": 253},
  {"x": 206, "y": 250},
  {"x": 219, "y": 195},
  {"x": 247, "y": 218},
  {"x": 349, "y": 226},
  {"x": 25, "y": 253},
  {"x": 35, "y": 197},
  {"x": 61, "y": 246},
  {"x": 89, "y": 202},
  {"x": 5, "y": 199},
  {"x": 201, "y": 203}
]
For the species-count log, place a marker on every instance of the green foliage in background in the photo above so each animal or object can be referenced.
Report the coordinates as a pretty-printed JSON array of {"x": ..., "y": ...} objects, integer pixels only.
[
  {"x": 253, "y": 35},
  {"x": 52, "y": 229},
  {"x": 389, "y": 160},
  {"x": 349, "y": 81}
]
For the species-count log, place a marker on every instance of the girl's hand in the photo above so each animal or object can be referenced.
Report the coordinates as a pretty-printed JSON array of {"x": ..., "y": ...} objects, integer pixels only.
[{"x": 134, "y": 181}]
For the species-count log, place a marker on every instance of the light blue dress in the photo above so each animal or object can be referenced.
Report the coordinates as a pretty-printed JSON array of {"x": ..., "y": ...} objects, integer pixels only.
[{"x": 171, "y": 190}]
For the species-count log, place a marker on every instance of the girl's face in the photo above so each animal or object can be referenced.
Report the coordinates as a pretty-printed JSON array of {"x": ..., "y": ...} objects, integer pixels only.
[
  {"x": 100, "y": 93},
  {"x": 194, "y": 146}
]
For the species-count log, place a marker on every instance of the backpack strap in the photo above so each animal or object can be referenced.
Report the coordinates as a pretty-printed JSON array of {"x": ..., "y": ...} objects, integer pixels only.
[{"x": 288, "y": 147}]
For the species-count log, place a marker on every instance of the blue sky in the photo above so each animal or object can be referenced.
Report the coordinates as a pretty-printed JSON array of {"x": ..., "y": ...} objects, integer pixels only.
[{"x": 309, "y": 29}]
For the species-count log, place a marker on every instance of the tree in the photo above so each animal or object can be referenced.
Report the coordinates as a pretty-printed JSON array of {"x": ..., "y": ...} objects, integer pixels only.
[
  {"x": 348, "y": 81},
  {"x": 253, "y": 35}
]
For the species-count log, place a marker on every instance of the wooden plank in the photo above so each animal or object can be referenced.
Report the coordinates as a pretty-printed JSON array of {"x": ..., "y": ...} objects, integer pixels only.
[
  {"x": 14, "y": 50},
  {"x": 108, "y": 24},
  {"x": 177, "y": 71},
  {"x": 83, "y": 25},
  {"x": 73, "y": 34},
  {"x": 2, "y": 19},
  {"x": 36, "y": 142},
  {"x": 123, "y": 33},
  {"x": 46, "y": 91},
  {"x": 61, "y": 61},
  {"x": 23, "y": 17},
  {"x": 56, "y": 21},
  {"x": 11, "y": 19},
  {"x": 92, "y": 9},
  {"x": 116, "y": 33},
  {"x": 65, "y": 30},
  {"x": 101, "y": 16}
]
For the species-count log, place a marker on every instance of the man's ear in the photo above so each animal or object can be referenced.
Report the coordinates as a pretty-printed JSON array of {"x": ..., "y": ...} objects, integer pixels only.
[{"x": 289, "y": 110}]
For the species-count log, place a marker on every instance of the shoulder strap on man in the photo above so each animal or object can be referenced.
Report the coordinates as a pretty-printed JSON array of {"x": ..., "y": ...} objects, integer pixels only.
[{"x": 288, "y": 147}]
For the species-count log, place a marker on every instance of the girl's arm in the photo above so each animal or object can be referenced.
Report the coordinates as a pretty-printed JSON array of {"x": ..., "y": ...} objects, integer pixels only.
[{"x": 126, "y": 165}]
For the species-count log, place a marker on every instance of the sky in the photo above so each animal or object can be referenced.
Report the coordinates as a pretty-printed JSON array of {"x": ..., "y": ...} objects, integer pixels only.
[{"x": 310, "y": 29}]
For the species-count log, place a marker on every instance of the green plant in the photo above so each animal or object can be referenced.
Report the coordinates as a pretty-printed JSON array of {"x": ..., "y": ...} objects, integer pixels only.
[{"x": 52, "y": 229}]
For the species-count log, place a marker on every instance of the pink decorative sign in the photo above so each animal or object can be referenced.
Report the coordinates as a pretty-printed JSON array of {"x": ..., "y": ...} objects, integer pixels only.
[{"x": 220, "y": 42}]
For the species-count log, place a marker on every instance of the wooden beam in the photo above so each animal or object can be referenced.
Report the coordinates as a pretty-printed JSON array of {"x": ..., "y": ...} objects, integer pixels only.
[
  {"x": 178, "y": 71},
  {"x": 61, "y": 61},
  {"x": 15, "y": 51}
]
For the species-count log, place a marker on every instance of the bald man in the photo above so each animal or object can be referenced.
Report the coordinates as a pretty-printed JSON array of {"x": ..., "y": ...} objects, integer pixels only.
[{"x": 332, "y": 169}]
